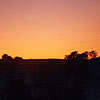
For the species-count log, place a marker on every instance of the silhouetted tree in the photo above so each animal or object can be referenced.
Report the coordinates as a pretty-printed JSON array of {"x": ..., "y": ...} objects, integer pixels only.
[
  {"x": 5, "y": 57},
  {"x": 66, "y": 57},
  {"x": 73, "y": 55},
  {"x": 84, "y": 55},
  {"x": 18, "y": 58},
  {"x": 93, "y": 54}
]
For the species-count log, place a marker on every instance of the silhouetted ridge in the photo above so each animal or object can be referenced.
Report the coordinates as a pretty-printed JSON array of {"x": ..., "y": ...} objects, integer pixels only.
[{"x": 77, "y": 77}]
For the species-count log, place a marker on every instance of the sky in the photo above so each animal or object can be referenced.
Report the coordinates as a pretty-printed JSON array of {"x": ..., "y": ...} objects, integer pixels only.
[{"x": 40, "y": 29}]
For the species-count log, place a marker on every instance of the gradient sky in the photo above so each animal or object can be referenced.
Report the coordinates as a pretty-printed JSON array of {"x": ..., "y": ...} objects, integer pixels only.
[{"x": 49, "y": 28}]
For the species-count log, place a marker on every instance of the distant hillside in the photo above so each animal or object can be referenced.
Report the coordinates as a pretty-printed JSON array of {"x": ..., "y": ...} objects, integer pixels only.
[{"x": 52, "y": 79}]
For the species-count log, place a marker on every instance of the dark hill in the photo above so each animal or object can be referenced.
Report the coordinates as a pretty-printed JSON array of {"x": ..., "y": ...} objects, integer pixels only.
[{"x": 50, "y": 79}]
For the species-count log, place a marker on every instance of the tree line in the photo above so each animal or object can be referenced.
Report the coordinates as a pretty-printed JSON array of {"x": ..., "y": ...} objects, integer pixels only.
[
  {"x": 6, "y": 57},
  {"x": 73, "y": 55},
  {"x": 84, "y": 55}
]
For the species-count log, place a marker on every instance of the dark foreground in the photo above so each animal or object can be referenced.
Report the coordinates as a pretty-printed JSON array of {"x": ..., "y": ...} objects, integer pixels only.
[{"x": 50, "y": 79}]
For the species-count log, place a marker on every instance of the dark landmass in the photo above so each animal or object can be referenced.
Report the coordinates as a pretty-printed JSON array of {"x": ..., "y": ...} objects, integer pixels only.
[{"x": 50, "y": 79}]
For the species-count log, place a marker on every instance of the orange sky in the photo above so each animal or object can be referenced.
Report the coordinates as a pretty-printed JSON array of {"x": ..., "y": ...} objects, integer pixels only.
[{"x": 49, "y": 28}]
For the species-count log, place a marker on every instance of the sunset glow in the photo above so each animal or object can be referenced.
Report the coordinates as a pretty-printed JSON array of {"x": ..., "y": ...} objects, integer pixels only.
[{"x": 49, "y": 28}]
